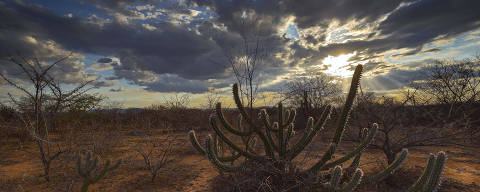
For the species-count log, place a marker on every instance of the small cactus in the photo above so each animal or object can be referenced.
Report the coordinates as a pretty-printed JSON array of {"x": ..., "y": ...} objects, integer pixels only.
[{"x": 88, "y": 168}]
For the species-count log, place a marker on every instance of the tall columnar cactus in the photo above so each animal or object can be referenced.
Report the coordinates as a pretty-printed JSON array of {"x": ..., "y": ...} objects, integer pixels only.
[
  {"x": 88, "y": 168},
  {"x": 279, "y": 150}
]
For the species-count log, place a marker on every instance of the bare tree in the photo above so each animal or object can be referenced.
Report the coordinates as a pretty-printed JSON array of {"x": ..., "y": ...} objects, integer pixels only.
[
  {"x": 33, "y": 106},
  {"x": 311, "y": 93},
  {"x": 407, "y": 123},
  {"x": 177, "y": 101},
  {"x": 247, "y": 59},
  {"x": 451, "y": 82},
  {"x": 213, "y": 98},
  {"x": 177, "y": 107},
  {"x": 315, "y": 90}
]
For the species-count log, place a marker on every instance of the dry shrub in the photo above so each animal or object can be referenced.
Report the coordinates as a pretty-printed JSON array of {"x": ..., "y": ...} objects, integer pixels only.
[{"x": 156, "y": 153}]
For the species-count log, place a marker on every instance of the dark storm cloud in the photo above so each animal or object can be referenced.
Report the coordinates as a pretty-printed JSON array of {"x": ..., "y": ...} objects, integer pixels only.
[
  {"x": 174, "y": 83},
  {"x": 307, "y": 12},
  {"x": 425, "y": 20},
  {"x": 113, "y": 3},
  {"x": 185, "y": 57},
  {"x": 104, "y": 60},
  {"x": 433, "y": 50},
  {"x": 314, "y": 12},
  {"x": 417, "y": 51},
  {"x": 170, "y": 49},
  {"x": 263, "y": 16},
  {"x": 410, "y": 25}
]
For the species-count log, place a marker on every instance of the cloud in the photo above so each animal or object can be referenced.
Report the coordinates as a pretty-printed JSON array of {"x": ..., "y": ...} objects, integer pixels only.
[
  {"x": 400, "y": 24},
  {"x": 99, "y": 84},
  {"x": 417, "y": 51},
  {"x": 182, "y": 46},
  {"x": 100, "y": 66},
  {"x": 170, "y": 50},
  {"x": 425, "y": 20},
  {"x": 394, "y": 79},
  {"x": 104, "y": 60},
  {"x": 119, "y": 89},
  {"x": 174, "y": 83}
]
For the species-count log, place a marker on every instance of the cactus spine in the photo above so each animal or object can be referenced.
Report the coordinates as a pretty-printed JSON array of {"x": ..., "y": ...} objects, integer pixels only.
[
  {"x": 85, "y": 171},
  {"x": 276, "y": 140}
]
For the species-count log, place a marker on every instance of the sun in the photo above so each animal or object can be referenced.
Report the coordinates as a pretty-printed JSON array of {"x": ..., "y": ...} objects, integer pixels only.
[{"x": 338, "y": 65}]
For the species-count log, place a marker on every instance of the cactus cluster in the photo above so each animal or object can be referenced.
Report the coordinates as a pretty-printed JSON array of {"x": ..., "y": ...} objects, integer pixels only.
[
  {"x": 280, "y": 150},
  {"x": 89, "y": 167}
]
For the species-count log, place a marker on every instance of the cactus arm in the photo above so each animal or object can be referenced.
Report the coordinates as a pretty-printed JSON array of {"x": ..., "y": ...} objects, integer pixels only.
[
  {"x": 102, "y": 172},
  {"x": 251, "y": 145},
  {"x": 343, "y": 119},
  {"x": 300, "y": 146},
  {"x": 94, "y": 164},
  {"x": 194, "y": 141},
  {"x": 227, "y": 125},
  {"x": 219, "y": 165},
  {"x": 434, "y": 179},
  {"x": 286, "y": 115},
  {"x": 238, "y": 102},
  {"x": 281, "y": 131},
  {"x": 290, "y": 117},
  {"x": 266, "y": 120},
  {"x": 290, "y": 133},
  {"x": 229, "y": 158},
  {"x": 323, "y": 118},
  {"x": 223, "y": 159},
  {"x": 239, "y": 121},
  {"x": 229, "y": 142},
  {"x": 355, "y": 152},
  {"x": 85, "y": 186},
  {"x": 270, "y": 138},
  {"x": 306, "y": 133},
  {"x": 420, "y": 183},
  {"x": 355, "y": 163},
  {"x": 389, "y": 170},
  {"x": 78, "y": 167},
  {"x": 215, "y": 145},
  {"x": 115, "y": 166},
  {"x": 350, "y": 186},
  {"x": 281, "y": 138},
  {"x": 220, "y": 158},
  {"x": 335, "y": 178},
  {"x": 326, "y": 156}
]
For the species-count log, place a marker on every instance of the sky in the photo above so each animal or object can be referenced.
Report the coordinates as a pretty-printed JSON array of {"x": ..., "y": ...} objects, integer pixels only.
[{"x": 143, "y": 52}]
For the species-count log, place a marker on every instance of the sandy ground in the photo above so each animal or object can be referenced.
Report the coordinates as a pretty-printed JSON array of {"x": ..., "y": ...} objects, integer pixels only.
[{"x": 21, "y": 170}]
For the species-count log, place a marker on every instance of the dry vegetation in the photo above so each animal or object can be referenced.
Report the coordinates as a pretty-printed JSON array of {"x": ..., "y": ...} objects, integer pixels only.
[
  {"x": 40, "y": 145},
  {"x": 21, "y": 170}
]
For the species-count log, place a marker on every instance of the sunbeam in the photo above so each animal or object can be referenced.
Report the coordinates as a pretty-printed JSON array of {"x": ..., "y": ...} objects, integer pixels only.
[{"x": 338, "y": 65}]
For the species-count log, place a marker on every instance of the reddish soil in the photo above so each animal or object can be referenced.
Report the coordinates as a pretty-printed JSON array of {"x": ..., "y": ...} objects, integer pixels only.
[{"x": 21, "y": 170}]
